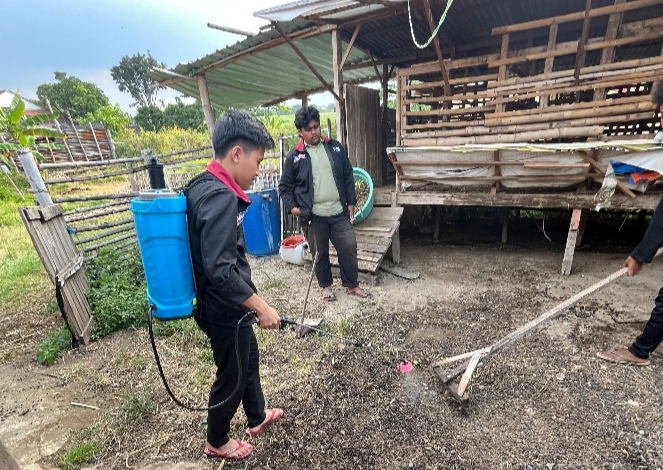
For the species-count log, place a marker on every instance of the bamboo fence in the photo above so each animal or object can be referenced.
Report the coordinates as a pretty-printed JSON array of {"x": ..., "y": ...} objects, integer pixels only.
[{"x": 594, "y": 86}]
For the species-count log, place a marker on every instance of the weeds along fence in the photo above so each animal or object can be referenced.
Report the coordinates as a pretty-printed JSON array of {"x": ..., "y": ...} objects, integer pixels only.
[{"x": 95, "y": 195}]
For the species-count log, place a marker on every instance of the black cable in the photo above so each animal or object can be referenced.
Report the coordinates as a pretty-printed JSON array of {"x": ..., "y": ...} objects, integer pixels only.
[
  {"x": 60, "y": 300},
  {"x": 163, "y": 377}
]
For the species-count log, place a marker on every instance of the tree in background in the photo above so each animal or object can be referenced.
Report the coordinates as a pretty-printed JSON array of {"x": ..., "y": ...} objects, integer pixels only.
[
  {"x": 150, "y": 118},
  {"x": 72, "y": 95},
  {"x": 112, "y": 117},
  {"x": 185, "y": 116},
  {"x": 131, "y": 77}
]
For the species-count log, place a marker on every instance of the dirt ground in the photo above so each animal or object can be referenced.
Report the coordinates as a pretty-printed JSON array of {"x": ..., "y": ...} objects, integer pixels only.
[{"x": 547, "y": 403}]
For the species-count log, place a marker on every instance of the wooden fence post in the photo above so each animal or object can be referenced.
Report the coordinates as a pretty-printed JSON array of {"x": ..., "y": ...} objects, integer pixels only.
[{"x": 34, "y": 177}]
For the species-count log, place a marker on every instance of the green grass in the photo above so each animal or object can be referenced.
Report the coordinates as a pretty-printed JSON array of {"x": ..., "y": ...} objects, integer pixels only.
[
  {"x": 78, "y": 456},
  {"x": 21, "y": 272}
]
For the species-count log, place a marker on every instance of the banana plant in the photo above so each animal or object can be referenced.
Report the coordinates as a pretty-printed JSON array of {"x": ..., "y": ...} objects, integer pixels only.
[{"x": 17, "y": 132}]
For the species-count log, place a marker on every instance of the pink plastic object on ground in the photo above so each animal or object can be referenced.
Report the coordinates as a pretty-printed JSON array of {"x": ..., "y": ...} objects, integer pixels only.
[{"x": 405, "y": 366}]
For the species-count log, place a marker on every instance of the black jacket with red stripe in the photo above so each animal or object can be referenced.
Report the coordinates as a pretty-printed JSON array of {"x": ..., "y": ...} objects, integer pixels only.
[{"x": 296, "y": 185}]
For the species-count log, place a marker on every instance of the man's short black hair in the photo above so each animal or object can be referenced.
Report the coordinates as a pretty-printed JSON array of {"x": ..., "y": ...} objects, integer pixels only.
[
  {"x": 657, "y": 96},
  {"x": 237, "y": 127},
  {"x": 305, "y": 115}
]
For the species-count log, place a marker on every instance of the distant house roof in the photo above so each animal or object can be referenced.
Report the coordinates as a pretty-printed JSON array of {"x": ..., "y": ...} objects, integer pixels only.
[{"x": 31, "y": 107}]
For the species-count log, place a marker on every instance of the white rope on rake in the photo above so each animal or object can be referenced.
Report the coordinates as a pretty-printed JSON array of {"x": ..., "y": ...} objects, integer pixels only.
[{"x": 439, "y": 25}]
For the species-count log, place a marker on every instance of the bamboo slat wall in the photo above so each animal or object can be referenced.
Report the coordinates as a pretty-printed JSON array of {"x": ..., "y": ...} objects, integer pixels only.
[
  {"x": 63, "y": 263},
  {"x": 567, "y": 78}
]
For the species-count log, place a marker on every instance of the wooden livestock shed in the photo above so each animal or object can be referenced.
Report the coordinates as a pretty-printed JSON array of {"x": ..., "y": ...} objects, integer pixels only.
[{"x": 523, "y": 101}]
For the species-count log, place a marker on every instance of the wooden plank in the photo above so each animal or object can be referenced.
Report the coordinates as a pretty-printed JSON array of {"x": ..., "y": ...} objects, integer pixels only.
[
  {"x": 577, "y": 16},
  {"x": 397, "y": 270},
  {"x": 571, "y": 51},
  {"x": 594, "y": 71},
  {"x": 601, "y": 169},
  {"x": 532, "y": 201},
  {"x": 50, "y": 212},
  {"x": 561, "y": 132},
  {"x": 432, "y": 67},
  {"x": 571, "y": 242},
  {"x": 453, "y": 81}
]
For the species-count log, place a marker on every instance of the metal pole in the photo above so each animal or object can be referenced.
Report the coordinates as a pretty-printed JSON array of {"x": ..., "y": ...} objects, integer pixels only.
[{"x": 34, "y": 177}]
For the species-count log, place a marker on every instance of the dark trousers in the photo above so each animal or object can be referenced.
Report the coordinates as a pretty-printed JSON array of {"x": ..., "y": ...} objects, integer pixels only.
[
  {"x": 222, "y": 341},
  {"x": 652, "y": 335},
  {"x": 338, "y": 230}
]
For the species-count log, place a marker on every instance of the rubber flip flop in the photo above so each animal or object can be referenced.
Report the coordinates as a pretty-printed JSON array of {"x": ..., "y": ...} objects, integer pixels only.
[
  {"x": 272, "y": 416},
  {"x": 230, "y": 455},
  {"x": 362, "y": 294},
  {"x": 328, "y": 296},
  {"x": 614, "y": 356}
]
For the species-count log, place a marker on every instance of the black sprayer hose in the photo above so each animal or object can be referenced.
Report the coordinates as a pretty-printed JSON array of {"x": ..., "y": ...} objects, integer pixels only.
[{"x": 163, "y": 377}]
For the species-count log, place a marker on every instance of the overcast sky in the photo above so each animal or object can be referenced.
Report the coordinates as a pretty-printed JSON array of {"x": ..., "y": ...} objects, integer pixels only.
[{"x": 86, "y": 39}]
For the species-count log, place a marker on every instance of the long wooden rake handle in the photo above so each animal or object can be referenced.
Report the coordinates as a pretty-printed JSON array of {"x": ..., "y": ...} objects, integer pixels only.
[{"x": 527, "y": 328}]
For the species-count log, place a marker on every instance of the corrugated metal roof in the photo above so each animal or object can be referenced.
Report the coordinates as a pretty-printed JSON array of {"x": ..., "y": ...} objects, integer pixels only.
[{"x": 264, "y": 75}]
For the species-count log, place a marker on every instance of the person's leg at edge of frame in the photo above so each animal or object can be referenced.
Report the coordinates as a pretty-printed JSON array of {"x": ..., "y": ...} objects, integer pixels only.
[
  {"x": 652, "y": 334},
  {"x": 321, "y": 232},
  {"x": 222, "y": 341},
  {"x": 253, "y": 399},
  {"x": 344, "y": 240}
]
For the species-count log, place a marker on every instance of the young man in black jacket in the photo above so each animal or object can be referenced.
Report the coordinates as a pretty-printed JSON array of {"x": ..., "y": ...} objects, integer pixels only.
[
  {"x": 318, "y": 185},
  {"x": 651, "y": 337},
  {"x": 216, "y": 204}
]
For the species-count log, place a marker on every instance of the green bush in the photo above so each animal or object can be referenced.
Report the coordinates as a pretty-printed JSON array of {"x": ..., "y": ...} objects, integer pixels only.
[
  {"x": 164, "y": 141},
  {"x": 117, "y": 292},
  {"x": 56, "y": 342}
]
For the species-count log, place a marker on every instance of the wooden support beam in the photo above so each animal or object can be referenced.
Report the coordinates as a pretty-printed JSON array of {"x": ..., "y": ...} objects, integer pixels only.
[
  {"x": 504, "y": 219},
  {"x": 349, "y": 49},
  {"x": 438, "y": 48},
  {"x": 503, "y": 73},
  {"x": 436, "y": 229},
  {"x": 496, "y": 172},
  {"x": 584, "y": 217},
  {"x": 567, "y": 262},
  {"x": 608, "y": 54},
  {"x": 396, "y": 238},
  {"x": 337, "y": 49},
  {"x": 385, "y": 124},
  {"x": 580, "y": 54},
  {"x": 207, "y": 105},
  {"x": 308, "y": 63},
  {"x": 550, "y": 61}
]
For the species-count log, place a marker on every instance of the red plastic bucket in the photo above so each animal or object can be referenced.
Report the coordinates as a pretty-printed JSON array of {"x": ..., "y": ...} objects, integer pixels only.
[{"x": 292, "y": 249}]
